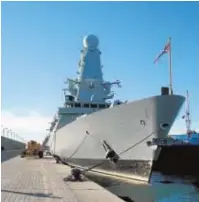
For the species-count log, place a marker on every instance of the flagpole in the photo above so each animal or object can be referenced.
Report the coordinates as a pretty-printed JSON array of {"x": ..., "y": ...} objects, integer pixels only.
[{"x": 170, "y": 69}]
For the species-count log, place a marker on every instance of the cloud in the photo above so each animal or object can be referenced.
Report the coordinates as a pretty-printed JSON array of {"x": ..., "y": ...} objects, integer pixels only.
[{"x": 29, "y": 125}]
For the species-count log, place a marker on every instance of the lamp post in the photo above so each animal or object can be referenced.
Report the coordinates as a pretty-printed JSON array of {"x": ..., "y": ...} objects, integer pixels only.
[
  {"x": 4, "y": 129},
  {"x": 20, "y": 139},
  {"x": 14, "y": 135},
  {"x": 9, "y": 131}
]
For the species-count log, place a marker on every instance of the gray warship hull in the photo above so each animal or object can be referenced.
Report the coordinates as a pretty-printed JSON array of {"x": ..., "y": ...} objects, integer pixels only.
[{"x": 125, "y": 128}]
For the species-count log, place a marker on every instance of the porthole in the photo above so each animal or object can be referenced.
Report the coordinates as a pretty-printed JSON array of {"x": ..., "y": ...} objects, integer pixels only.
[{"x": 164, "y": 126}]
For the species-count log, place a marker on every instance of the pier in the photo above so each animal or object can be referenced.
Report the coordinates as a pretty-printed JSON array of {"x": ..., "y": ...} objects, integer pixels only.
[{"x": 33, "y": 179}]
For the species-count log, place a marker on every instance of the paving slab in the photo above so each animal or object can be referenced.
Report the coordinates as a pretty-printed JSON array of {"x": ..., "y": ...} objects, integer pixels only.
[{"x": 33, "y": 179}]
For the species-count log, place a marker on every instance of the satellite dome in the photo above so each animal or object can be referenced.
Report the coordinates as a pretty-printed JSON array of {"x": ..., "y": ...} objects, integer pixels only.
[{"x": 90, "y": 41}]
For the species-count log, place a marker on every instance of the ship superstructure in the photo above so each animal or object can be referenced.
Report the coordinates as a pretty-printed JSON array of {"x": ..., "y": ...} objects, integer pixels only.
[{"x": 88, "y": 92}]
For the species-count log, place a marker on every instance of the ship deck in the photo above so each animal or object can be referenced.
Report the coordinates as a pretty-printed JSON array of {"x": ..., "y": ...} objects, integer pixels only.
[{"x": 32, "y": 179}]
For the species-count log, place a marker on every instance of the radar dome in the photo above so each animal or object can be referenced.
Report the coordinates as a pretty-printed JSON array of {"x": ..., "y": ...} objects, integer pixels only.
[{"x": 90, "y": 41}]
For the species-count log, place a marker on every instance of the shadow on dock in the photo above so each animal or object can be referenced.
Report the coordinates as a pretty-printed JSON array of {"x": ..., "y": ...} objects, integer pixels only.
[{"x": 33, "y": 194}]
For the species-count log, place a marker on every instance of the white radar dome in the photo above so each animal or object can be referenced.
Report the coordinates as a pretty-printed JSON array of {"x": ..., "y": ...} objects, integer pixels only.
[{"x": 90, "y": 41}]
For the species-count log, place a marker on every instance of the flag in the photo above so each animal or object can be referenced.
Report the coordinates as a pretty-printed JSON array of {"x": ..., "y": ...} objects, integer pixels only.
[{"x": 165, "y": 50}]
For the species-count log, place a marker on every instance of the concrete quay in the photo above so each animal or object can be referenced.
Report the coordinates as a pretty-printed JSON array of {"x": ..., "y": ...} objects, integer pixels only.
[{"x": 33, "y": 179}]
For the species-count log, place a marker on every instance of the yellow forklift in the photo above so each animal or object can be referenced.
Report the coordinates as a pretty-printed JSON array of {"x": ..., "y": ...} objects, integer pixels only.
[{"x": 33, "y": 148}]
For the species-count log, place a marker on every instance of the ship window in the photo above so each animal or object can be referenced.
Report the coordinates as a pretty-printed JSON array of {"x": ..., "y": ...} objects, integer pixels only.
[
  {"x": 86, "y": 105},
  {"x": 77, "y": 105},
  {"x": 93, "y": 106},
  {"x": 101, "y": 106},
  {"x": 71, "y": 105}
]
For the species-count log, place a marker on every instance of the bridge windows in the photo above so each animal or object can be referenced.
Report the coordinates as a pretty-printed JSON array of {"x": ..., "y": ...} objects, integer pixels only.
[
  {"x": 101, "y": 106},
  {"x": 93, "y": 105},
  {"x": 77, "y": 105},
  {"x": 87, "y": 105}
]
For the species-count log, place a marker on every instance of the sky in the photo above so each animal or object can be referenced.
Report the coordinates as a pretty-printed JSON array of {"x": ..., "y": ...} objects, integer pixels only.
[{"x": 41, "y": 43}]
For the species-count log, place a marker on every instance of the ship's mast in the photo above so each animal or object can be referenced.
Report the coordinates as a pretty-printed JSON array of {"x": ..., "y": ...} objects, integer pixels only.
[
  {"x": 187, "y": 114},
  {"x": 90, "y": 85}
]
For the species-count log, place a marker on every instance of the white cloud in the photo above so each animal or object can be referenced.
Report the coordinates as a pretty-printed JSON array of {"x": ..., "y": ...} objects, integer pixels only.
[{"x": 30, "y": 125}]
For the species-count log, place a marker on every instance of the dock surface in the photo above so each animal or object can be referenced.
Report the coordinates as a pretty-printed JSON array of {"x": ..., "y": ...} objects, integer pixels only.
[{"x": 32, "y": 179}]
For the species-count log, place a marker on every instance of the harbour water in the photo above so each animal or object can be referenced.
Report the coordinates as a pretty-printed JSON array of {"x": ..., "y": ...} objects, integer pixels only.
[{"x": 161, "y": 189}]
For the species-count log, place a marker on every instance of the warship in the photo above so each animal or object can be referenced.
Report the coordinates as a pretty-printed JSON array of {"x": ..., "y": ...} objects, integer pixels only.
[{"x": 95, "y": 132}]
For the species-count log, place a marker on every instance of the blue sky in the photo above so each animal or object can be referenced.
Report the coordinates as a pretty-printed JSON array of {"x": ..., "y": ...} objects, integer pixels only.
[{"x": 41, "y": 43}]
